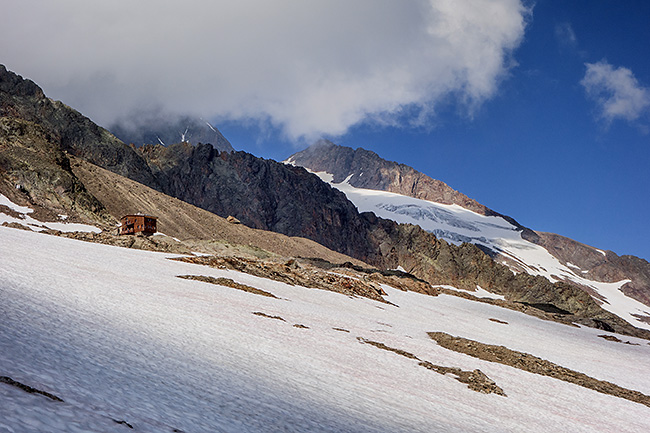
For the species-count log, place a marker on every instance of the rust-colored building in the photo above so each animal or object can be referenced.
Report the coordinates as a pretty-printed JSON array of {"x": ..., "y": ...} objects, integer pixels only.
[{"x": 138, "y": 223}]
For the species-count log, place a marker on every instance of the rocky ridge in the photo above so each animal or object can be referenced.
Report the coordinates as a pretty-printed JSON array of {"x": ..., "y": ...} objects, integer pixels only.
[{"x": 262, "y": 194}]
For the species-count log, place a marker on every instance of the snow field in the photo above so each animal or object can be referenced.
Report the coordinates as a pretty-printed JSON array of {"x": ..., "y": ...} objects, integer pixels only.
[{"x": 116, "y": 335}]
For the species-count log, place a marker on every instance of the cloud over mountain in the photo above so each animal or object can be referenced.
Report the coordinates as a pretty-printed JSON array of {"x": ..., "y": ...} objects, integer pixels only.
[{"x": 308, "y": 67}]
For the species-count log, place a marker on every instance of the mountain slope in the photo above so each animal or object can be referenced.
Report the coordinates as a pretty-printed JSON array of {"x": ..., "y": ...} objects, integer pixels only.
[
  {"x": 270, "y": 195},
  {"x": 365, "y": 169},
  {"x": 279, "y": 197},
  {"x": 67, "y": 129},
  {"x": 34, "y": 170},
  {"x": 99, "y": 338},
  {"x": 608, "y": 267},
  {"x": 261, "y": 193}
]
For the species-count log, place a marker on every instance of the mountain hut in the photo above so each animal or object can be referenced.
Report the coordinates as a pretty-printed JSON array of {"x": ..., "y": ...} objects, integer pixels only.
[{"x": 138, "y": 223}]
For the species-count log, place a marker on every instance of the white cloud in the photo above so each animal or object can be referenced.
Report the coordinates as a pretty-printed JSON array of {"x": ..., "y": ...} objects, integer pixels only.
[
  {"x": 310, "y": 67},
  {"x": 616, "y": 91},
  {"x": 565, "y": 35}
]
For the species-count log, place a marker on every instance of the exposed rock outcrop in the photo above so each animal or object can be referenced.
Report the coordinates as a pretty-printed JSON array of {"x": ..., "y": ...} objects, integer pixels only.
[
  {"x": 534, "y": 364},
  {"x": 303, "y": 274},
  {"x": 29, "y": 389},
  {"x": 35, "y": 171},
  {"x": 476, "y": 380}
]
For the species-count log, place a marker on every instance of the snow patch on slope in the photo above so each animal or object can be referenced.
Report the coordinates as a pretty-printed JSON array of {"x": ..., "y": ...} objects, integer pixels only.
[
  {"x": 13, "y": 206},
  {"x": 456, "y": 225},
  {"x": 26, "y": 221}
]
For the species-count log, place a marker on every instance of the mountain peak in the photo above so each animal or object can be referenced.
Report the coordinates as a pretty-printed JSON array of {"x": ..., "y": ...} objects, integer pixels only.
[
  {"x": 157, "y": 128},
  {"x": 365, "y": 169},
  {"x": 324, "y": 142}
]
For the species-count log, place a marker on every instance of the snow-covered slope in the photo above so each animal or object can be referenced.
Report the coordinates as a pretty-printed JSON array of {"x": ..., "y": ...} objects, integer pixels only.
[
  {"x": 456, "y": 224},
  {"x": 116, "y": 335}
]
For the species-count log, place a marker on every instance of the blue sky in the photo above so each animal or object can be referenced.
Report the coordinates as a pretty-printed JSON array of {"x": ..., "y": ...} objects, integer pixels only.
[
  {"x": 540, "y": 111},
  {"x": 539, "y": 150}
]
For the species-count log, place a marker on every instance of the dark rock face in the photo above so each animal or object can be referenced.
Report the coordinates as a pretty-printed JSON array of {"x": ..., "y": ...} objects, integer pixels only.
[{"x": 260, "y": 193}]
